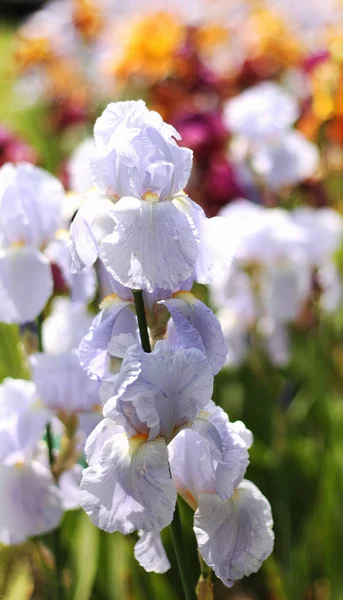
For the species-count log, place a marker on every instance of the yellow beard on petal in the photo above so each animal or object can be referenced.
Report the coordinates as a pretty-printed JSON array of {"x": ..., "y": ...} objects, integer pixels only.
[
  {"x": 184, "y": 295},
  {"x": 110, "y": 300},
  {"x": 150, "y": 197}
]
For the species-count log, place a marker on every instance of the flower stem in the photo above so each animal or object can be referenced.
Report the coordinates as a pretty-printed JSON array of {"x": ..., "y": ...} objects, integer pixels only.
[
  {"x": 142, "y": 322},
  {"x": 176, "y": 528},
  {"x": 179, "y": 548},
  {"x": 55, "y": 534}
]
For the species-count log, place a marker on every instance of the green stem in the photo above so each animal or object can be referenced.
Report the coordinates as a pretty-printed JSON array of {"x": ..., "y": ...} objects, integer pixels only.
[
  {"x": 142, "y": 322},
  {"x": 179, "y": 548},
  {"x": 176, "y": 529},
  {"x": 55, "y": 534}
]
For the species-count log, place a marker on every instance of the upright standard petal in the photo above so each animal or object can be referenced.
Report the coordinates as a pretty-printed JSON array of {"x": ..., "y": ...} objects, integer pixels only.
[
  {"x": 191, "y": 317},
  {"x": 30, "y": 502},
  {"x": 130, "y": 114},
  {"x": 163, "y": 390},
  {"x": 234, "y": 536},
  {"x": 130, "y": 486},
  {"x": 25, "y": 284},
  {"x": 150, "y": 553},
  {"x": 153, "y": 245},
  {"x": 199, "y": 464}
]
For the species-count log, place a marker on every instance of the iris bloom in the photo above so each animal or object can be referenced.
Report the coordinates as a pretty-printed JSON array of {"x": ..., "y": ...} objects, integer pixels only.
[
  {"x": 30, "y": 211},
  {"x": 31, "y": 502},
  {"x": 140, "y": 222},
  {"x": 232, "y": 521},
  {"x": 114, "y": 329},
  {"x": 269, "y": 281},
  {"x": 261, "y": 113},
  {"x": 261, "y": 119},
  {"x": 127, "y": 485}
]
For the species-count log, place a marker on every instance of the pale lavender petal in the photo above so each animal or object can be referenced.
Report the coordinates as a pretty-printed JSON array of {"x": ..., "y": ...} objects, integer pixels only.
[
  {"x": 165, "y": 390},
  {"x": 30, "y": 502},
  {"x": 190, "y": 314},
  {"x": 69, "y": 484},
  {"x": 150, "y": 553},
  {"x": 62, "y": 384},
  {"x": 30, "y": 205},
  {"x": 153, "y": 245},
  {"x": 130, "y": 487},
  {"x": 23, "y": 418},
  {"x": 234, "y": 536},
  {"x": 65, "y": 326},
  {"x": 90, "y": 225},
  {"x": 26, "y": 284},
  {"x": 113, "y": 321}
]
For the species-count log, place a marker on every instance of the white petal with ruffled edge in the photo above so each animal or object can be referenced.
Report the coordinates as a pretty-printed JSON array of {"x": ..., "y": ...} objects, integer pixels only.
[
  {"x": 234, "y": 536},
  {"x": 130, "y": 487},
  {"x": 189, "y": 313},
  {"x": 25, "y": 284},
  {"x": 153, "y": 245},
  {"x": 164, "y": 390},
  {"x": 30, "y": 502},
  {"x": 150, "y": 553},
  {"x": 129, "y": 114}
]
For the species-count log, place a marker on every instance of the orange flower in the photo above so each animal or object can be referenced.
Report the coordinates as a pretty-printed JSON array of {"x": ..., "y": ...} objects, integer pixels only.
[
  {"x": 151, "y": 47},
  {"x": 87, "y": 19}
]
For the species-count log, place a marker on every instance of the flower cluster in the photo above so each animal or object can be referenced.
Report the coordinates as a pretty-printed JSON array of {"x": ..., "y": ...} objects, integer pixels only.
[
  {"x": 283, "y": 265},
  {"x": 161, "y": 434},
  {"x": 151, "y": 237}
]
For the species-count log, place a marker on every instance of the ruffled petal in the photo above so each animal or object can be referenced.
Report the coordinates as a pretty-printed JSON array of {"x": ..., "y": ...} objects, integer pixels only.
[
  {"x": 234, "y": 536},
  {"x": 111, "y": 322},
  {"x": 210, "y": 456},
  {"x": 150, "y": 553},
  {"x": 30, "y": 502},
  {"x": 130, "y": 487},
  {"x": 189, "y": 314},
  {"x": 25, "y": 284},
  {"x": 153, "y": 245},
  {"x": 164, "y": 390}
]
